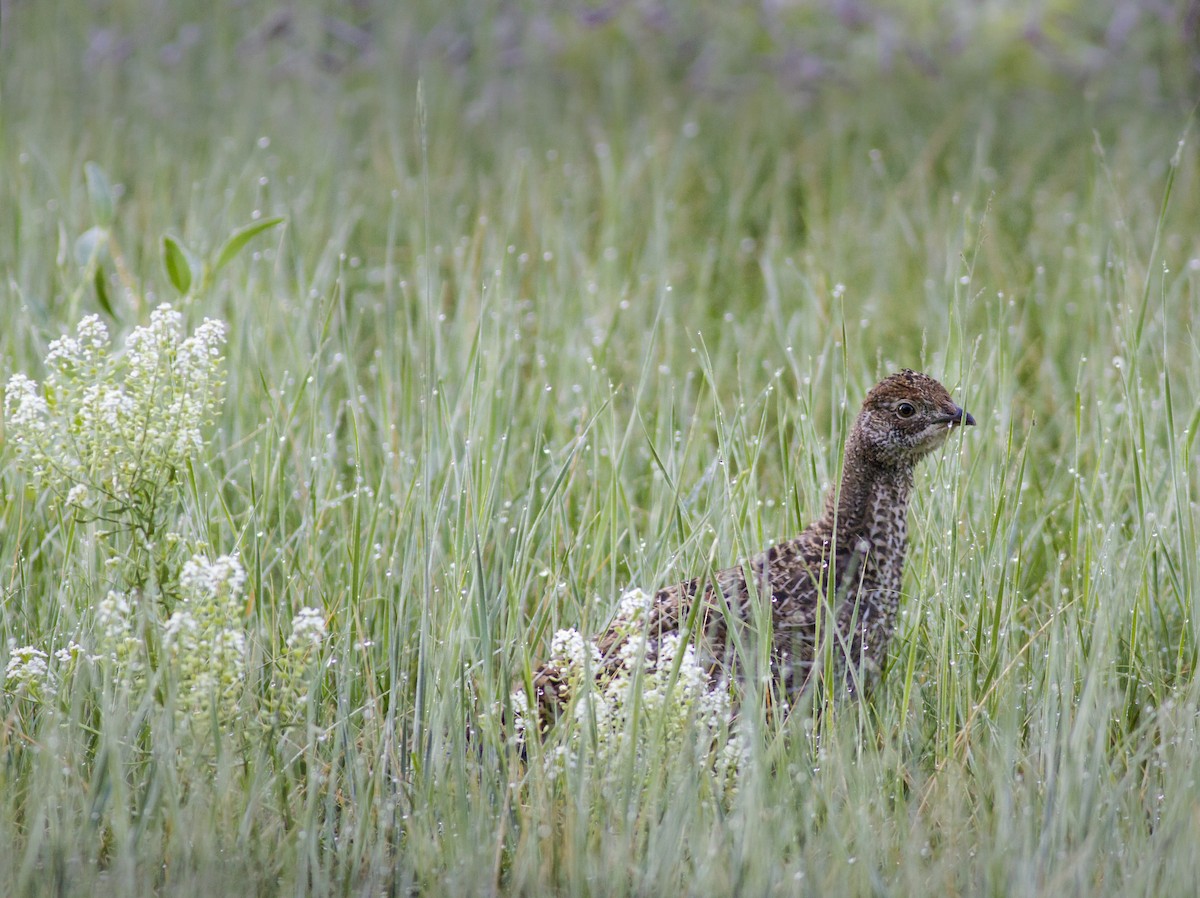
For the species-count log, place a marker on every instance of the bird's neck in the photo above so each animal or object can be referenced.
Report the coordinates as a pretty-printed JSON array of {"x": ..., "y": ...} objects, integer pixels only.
[{"x": 871, "y": 501}]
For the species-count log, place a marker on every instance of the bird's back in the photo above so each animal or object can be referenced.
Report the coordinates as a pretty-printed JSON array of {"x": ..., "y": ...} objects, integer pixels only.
[{"x": 786, "y": 590}]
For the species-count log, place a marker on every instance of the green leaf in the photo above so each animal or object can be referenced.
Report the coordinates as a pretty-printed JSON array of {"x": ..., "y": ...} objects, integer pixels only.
[
  {"x": 183, "y": 268},
  {"x": 239, "y": 238},
  {"x": 91, "y": 246},
  {"x": 100, "y": 282},
  {"x": 99, "y": 194}
]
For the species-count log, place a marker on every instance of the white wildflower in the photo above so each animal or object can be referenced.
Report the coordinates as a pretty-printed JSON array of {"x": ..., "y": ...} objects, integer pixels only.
[
  {"x": 656, "y": 680},
  {"x": 560, "y": 759},
  {"x": 27, "y": 671},
  {"x": 308, "y": 629},
  {"x": 64, "y": 354},
  {"x": 72, "y": 652},
  {"x": 573, "y": 654},
  {"x": 732, "y": 757},
  {"x": 80, "y": 354},
  {"x": 714, "y": 708},
  {"x": 197, "y": 354},
  {"x": 633, "y": 606},
  {"x": 206, "y": 638},
  {"x": 294, "y": 668},
  {"x": 521, "y": 715},
  {"x": 112, "y": 614},
  {"x": 104, "y": 407},
  {"x": 123, "y": 424},
  {"x": 92, "y": 336},
  {"x": 202, "y": 578},
  {"x": 229, "y": 647},
  {"x": 180, "y": 630},
  {"x": 117, "y": 639},
  {"x": 25, "y": 408},
  {"x": 153, "y": 346},
  {"x": 634, "y": 652}
]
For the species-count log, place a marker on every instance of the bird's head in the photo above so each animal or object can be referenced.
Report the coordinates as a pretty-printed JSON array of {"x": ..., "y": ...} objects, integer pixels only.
[{"x": 904, "y": 417}]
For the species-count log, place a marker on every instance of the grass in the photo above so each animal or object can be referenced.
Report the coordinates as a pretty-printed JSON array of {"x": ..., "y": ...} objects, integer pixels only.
[{"x": 560, "y": 311}]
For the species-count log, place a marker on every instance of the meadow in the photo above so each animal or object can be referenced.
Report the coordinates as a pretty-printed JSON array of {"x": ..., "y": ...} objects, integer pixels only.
[{"x": 528, "y": 304}]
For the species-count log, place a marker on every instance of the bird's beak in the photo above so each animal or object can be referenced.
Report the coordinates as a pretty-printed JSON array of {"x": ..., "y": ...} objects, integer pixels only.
[{"x": 962, "y": 417}]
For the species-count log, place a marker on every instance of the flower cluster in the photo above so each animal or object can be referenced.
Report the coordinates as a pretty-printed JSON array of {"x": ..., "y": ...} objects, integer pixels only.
[
  {"x": 284, "y": 702},
  {"x": 205, "y": 643},
  {"x": 118, "y": 637},
  {"x": 28, "y": 672},
  {"x": 108, "y": 434},
  {"x": 33, "y": 674},
  {"x": 653, "y": 696},
  {"x": 109, "y": 431},
  {"x": 308, "y": 630},
  {"x": 206, "y": 639}
]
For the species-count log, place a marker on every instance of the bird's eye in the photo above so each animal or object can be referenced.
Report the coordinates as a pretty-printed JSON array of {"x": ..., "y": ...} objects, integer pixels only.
[{"x": 906, "y": 410}]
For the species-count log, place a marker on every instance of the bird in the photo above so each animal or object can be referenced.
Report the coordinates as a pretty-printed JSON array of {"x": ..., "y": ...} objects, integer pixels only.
[{"x": 838, "y": 580}]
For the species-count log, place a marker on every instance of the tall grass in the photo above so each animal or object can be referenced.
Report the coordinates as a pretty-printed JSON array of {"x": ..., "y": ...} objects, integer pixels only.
[{"x": 600, "y": 317}]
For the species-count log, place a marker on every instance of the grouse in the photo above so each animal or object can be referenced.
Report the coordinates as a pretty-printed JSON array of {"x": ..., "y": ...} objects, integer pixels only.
[{"x": 840, "y": 579}]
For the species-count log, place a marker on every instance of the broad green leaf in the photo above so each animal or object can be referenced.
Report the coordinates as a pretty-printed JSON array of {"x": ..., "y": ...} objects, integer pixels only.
[
  {"x": 183, "y": 268},
  {"x": 99, "y": 194},
  {"x": 91, "y": 246},
  {"x": 100, "y": 282},
  {"x": 239, "y": 238}
]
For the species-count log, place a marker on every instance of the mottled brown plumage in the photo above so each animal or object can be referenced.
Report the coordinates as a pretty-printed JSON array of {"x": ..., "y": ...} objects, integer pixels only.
[{"x": 862, "y": 537}]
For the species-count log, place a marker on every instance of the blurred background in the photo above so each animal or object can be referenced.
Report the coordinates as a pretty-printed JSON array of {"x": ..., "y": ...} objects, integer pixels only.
[{"x": 575, "y": 296}]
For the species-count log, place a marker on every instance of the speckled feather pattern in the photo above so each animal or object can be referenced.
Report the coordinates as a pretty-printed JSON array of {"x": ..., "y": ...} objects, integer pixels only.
[{"x": 847, "y": 567}]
